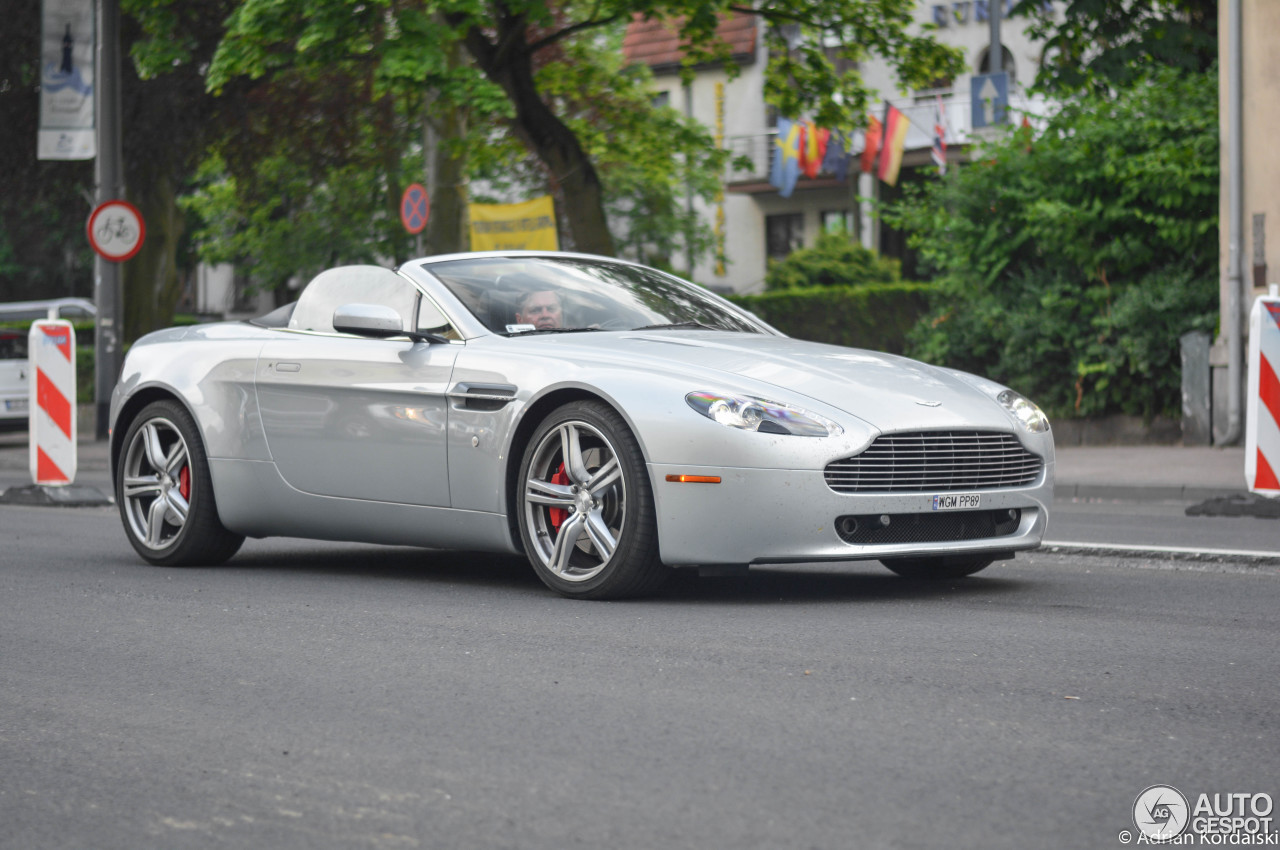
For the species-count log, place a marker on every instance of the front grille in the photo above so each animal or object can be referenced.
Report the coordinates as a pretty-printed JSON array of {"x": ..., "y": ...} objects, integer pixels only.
[
  {"x": 941, "y": 527},
  {"x": 936, "y": 462}
]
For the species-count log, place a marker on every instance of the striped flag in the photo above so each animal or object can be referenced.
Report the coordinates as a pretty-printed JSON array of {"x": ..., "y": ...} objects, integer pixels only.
[
  {"x": 893, "y": 143},
  {"x": 939, "y": 136},
  {"x": 872, "y": 145}
]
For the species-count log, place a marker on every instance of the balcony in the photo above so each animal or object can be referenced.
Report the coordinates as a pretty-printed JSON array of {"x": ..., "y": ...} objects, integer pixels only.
[{"x": 760, "y": 148}]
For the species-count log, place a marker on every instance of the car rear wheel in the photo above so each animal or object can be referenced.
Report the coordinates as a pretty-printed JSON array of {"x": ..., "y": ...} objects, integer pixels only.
[
  {"x": 941, "y": 567},
  {"x": 165, "y": 494},
  {"x": 586, "y": 506}
]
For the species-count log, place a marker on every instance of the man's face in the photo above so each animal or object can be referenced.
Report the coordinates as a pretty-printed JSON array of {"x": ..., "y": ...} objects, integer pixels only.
[{"x": 542, "y": 310}]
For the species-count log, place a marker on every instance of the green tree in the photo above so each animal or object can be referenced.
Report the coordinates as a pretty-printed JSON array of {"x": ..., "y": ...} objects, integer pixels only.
[
  {"x": 1069, "y": 264},
  {"x": 508, "y": 42},
  {"x": 1101, "y": 45},
  {"x": 44, "y": 252}
]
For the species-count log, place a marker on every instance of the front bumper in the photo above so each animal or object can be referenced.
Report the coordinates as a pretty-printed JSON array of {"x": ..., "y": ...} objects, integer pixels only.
[{"x": 762, "y": 516}]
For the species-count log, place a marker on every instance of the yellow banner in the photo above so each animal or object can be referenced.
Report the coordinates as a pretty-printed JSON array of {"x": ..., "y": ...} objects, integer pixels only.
[{"x": 528, "y": 226}]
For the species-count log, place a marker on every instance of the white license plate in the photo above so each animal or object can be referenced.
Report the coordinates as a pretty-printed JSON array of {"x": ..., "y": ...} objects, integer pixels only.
[
  {"x": 957, "y": 502},
  {"x": 12, "y": 404}
]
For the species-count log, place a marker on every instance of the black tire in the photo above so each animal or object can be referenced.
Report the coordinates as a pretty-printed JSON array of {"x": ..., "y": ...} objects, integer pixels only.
[
  {"x": 588, "y": 526},
  {"x": 165, "y": 494},
  {"x": 940, "y": 567}
]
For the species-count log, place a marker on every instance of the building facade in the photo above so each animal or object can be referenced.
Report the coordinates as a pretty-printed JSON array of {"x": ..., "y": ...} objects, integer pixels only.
[{"x": 752, "y": 221}]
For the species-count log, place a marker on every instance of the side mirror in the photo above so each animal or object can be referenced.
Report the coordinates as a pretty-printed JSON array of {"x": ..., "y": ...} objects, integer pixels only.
[{"x": 375, "y": 320}]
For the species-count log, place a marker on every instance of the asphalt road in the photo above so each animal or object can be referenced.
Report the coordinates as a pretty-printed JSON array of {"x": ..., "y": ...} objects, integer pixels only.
[{"x": 318, "y": 695}]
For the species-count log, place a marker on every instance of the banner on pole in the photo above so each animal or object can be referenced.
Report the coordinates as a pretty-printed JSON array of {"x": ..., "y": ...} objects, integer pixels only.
[
  {"x": 67, "y": 46},
  {"x": 530, "y": 226}
]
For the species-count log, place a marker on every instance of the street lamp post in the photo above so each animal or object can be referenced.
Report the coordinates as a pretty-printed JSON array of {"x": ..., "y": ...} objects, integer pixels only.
[{"x": 110, "y": 185}]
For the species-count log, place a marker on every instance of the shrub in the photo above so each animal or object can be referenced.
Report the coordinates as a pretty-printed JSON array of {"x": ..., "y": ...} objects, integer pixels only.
[
  {"x": 836, "y": 260},
  {"x": 1069, "y": 264},
  {"x": 872, "y": 316}
]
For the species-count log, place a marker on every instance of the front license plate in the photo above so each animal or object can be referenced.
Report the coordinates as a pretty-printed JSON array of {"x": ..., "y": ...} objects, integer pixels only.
[
  {"x": 957, "y": 502},
  {"x": 13, "y": 404}
]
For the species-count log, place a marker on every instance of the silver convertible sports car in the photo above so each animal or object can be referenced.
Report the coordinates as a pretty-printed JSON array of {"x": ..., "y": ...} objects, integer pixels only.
[{"x": 609, "y": 421}]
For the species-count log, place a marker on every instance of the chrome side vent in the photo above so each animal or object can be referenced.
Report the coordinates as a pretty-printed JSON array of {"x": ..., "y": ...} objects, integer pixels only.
[{"x": 482, "y": 397}]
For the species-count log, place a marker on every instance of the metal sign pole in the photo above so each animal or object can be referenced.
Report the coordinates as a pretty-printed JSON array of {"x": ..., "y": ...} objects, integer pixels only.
[{"x": 106, "y": 284}]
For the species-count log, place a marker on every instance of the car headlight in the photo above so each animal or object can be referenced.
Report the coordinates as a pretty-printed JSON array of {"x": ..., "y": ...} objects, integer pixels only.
[
  {"x": 749, "y": 413},
  {"x": 1025, "y": 411}
]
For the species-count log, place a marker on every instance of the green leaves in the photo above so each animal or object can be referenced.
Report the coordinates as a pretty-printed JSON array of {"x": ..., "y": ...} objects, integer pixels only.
[
  {"x": 1069, "y": 270},
  {"x": 835, "y": 260}
]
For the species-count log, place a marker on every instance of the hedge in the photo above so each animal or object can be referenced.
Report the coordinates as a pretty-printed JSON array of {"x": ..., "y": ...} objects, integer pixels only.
[{"x": 871, "y": 316}]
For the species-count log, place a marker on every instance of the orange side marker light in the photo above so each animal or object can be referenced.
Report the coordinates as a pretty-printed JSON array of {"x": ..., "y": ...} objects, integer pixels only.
[{"x": 694, "y": 479}]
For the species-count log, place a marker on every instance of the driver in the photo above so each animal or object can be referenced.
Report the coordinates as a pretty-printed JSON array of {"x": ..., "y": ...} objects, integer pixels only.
[{"x": 542, "y": 309}]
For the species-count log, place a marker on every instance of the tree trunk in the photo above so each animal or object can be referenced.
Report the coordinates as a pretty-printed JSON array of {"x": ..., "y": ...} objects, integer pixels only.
[
  {"x": 150, "y": 282},
  {"x": 572, "y": 172},
  {"x": 446, "y": 180}
]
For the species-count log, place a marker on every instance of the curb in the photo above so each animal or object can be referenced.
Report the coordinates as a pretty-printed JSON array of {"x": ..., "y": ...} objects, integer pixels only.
[
  {"x": 1172, "y": 553},
  {"x": 72, "y": 496},
  {"x": 1138, "y": 493}
]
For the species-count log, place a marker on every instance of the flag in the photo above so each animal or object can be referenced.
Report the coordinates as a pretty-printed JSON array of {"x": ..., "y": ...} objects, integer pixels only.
[
  {"x": 872, "y": 146},
  {"x": 836, "y": 161},
  {"x": 939, "y": 137},
  {"x": 813, "y": 149},
  {"x": 893, "y": 142},
  {"x": 786, "y": 158}
]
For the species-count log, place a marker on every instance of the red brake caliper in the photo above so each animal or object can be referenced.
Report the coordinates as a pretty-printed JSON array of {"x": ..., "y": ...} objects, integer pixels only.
[
  {"x": 184, "y": 483},
  {"x": 558, "y": 515}
]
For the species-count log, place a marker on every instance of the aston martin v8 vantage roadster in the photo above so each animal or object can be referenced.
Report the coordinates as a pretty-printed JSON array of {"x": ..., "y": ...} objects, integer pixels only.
[{"x": 609, "y": 421}]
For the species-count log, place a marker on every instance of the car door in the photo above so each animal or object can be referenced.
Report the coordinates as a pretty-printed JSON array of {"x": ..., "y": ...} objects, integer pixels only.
[{"x": 358, "y": 417}]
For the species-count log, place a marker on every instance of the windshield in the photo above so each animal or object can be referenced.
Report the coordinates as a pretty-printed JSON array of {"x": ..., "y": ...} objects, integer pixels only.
[{"x": 518, "y": 295}]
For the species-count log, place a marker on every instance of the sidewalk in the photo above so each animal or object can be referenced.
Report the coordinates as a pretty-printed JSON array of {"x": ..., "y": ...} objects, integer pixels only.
[{"x": 1124, "y": 473}]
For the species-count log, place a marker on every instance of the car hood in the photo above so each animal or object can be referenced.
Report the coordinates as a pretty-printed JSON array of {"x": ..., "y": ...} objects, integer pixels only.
[{"x": 887, "y": 392}]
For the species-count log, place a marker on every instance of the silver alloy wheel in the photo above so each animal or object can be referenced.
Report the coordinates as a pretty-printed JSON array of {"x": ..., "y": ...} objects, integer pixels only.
[
  {"x": 574, "y": 501},
  {"x": 157, "y": 483}
]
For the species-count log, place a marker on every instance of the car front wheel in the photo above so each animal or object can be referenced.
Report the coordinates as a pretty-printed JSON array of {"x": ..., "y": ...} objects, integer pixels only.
[
  {"x": 164, "y": 492},
  {"x": 941, "y": 567},
  {"x": 586, "y": 506}
]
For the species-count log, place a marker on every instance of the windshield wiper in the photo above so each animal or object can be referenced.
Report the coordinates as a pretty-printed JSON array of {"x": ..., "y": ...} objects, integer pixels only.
[
  {"x": 696, "y": 326},
  {"x": 551, "y": 331}
]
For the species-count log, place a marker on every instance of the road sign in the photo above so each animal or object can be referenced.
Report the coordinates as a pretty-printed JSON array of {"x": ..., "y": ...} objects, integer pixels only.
[
  {"x": 415, "y": 208},
  {"x": 116, "y": 230},
  {"x": 989, "y": 99}
]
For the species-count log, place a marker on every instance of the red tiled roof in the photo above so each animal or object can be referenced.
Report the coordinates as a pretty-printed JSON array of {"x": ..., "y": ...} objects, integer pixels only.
[{"x": 656, "y": 42}]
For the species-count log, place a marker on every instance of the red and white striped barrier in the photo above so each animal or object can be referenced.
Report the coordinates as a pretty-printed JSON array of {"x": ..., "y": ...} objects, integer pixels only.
[
  {"x": 52, "y": 426},
  {"x": 1262, "y": 428}
]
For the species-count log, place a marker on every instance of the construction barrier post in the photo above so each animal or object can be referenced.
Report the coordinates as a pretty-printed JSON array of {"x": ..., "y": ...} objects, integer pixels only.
[
  {"x": 52, "y": 389},
  {"x": 1262, "y": 424}
]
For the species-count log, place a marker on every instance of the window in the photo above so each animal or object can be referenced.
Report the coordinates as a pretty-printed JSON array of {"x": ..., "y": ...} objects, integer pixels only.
[
  {"x": 783, "y": 234},
  {"x": 984, "y": 65},
  {"x": 838, "y": 221}
]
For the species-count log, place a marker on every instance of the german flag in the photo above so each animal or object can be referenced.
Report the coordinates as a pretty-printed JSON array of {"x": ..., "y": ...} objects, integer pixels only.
[{"x": 892, "y": 144}]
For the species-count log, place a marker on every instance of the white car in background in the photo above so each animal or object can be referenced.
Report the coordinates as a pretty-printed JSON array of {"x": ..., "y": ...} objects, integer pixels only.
[
  {"x": 13, "y": 379},
  {"x": 13, "y": 351}
]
